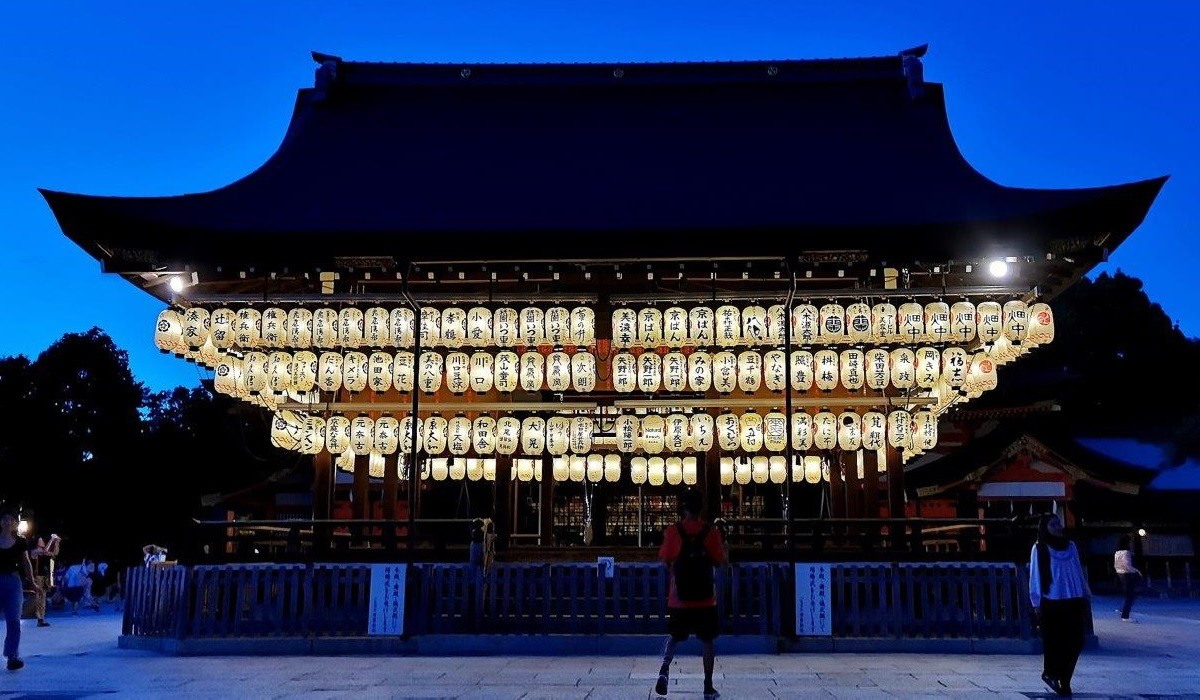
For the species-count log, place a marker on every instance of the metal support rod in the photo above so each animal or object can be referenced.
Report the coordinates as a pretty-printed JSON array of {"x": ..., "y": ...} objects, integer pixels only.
[
  {"x": 787, "y": 407},
  {"x": 569, "y": 406},
  {"x": 414, "y": 475}
]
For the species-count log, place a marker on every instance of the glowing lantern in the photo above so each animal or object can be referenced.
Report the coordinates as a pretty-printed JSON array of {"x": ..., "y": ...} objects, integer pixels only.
[
  {"x": 298, "y": 328},
  {"x": 724, "y": 367},
  {"x": 675, "y": 327},
  {"x": 345, "y": 461},
  {"x": 700, "y": 371},
  {"x": 508, "y": 435},
  {"x": 377, "y": 330},
  {"x": 638, "y": 466},
  {"x": 254, "y": 364},
  {"x": 577, "y": 468},
  {"x": 429, "y": 374},
  {"x": 386, "y": 438},
  {"x": 849, "y": 431},
  {"x": 729, "y": 326},
  {"x": 402, "y": 371},
  {"x": 701, "y": 431},
  {"x": 805, "y": 324},
  {"x": 454, "y": 327},
  {"x": 899, "y": 429},
  {"x": 1016, "y": 321},
  {"x": 533, "y": 326},
  {"x": 981, "y": 376},
  {"x": 904, "y": 368},
  {"x": 480, "y": 373},
  {"x": 439, "y": 468},
  {"x": 825, "y": 372},
  {"x": 325, "y": 328},
  {"x": 626, "y": 428},
  {"x": 726, "y": 471},
  {"x": 483, "y": 435},
  {"x": 624, "y": 372},
  {"x": 701, "y": 326},
  {"x": 754, "y": 325},
  {"x": 675, "y": 371},
  {"x": 583, "y": 372},
  {"x": 741, "y": 470},
  {"x": 802, "y": 431},
  {"x": 776, "y": 320},
  {"x": 350, "y": 327},
  {"x": 928, "y": 365},
  {"x": 874, "y": 431},
  {"x": 962, "y": 322},
  {"x": 656, "y": 471},
  {"x": 406, "y": 435},
  {"x": 431, "y": 327},
  {"x": 990, "y": 319},
  {"x": 925, "y": 430},
  {"x": 583, "y": 326},
  {"x": 474, "y": 468},
  {"x": 489, "y": 469},
  {"x": 729, "y": 432},
  {"x": 560, "y": 469},
  {"x": 595, "y": 468},
  {"x": 912, "y": 322},
  {"x": 313, "y": 440},
  {"x": 884, "y": 328},
  {"x": 362, "y": 434},
  {"x": 458, "y": 372},
  {"x": 558, "y": 435},
  {"x": 878, "y": 368},
  {"x": 533, "y": 435},
  {"x": 825, "y": 431},
  {"x": 479, "y": 331},
  {"x": 955, "y": 364},
  {"x": 674, "y": 470},
  {"x": 458, "y": 430},
  {"x": 750, "y": 432},
  {"x": 379, "y": 371},
  {"x": 852, "y": 366},
  {"x": 354, "y": 371},
  {"x": 938, "y": 326},
  {"x": 247, "y": 329},
  {"x": 653, "y": 438},
  {"x": 403, "y": 326},
  {"x": 676, "y": 432},
  {"x": 168, "y": 331},
  {"x": 458, "y": 468},
  {"x": 777, "y": 469},
  {"x": 224, "y": 376},
  {"x": 337, "y": 434},
  {"x": 220, "y": 329},
  {"x": 558, "y": 326},
  {"x": 196, "y": 326},
  {"x": 505, "y": 327},
  {"x": 524, "y": 470},
  {"x": 802, "y": 370},
  {"x": 624, "y": 328},
  {"x": 1041, "y": 324},
  {"x": 558, "y": 371},
  {"x": 507, "y": 372},
  {"x": 833, "y": 323},
  {"x": 812, "y": 469},
  {"x": 612, "y": 468},
  {"x": 775, "y": 431},
  {"x": 287, "y": 430},
  {"x": 436, "y": 429},
  {"x": 775, "y": 370},
  {"x": 749, "y": 374},
  {"x": 533, "y": 371},
  {"x": 858, "y": 322},
  {"x": 649, "y": 327},
  {"x": 279, "y": 372}
]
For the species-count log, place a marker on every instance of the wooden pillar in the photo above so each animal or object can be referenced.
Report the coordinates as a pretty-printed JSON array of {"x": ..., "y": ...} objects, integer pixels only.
[
  {"x": 852, "y": 485},
  {"x": 322, "y": 499},
  {"x": 895, "y": 494},
  {"x": 362, "y": 496},
  {"x": 837, "y": 495},
  {"x": 391, "y": 488},
  {"x": 546, "y": 510},
  {"x": 709, "y": 478},
  {"x": 501, "y": 517}
]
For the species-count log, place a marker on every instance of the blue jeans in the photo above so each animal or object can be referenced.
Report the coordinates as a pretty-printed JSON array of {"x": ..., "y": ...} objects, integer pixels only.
[
  {"x": 1129, "y": 583},
  {"x": 12, "y": 595}
]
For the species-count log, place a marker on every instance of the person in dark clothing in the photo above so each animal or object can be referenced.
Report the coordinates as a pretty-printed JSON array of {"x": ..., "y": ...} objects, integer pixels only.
[
  {"x": 1129, "y": 575},
  {"x": 1060, "y": 595},
  {"x": 14, "y": 564}
]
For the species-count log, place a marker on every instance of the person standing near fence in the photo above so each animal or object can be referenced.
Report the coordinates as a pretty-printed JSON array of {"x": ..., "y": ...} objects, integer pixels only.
[
  {"x": 1130, "y": 577},
  {"x": 14, "y": 563},
  {"x": 691, "y": 548},
  {"x": 1060, "y": 595}
]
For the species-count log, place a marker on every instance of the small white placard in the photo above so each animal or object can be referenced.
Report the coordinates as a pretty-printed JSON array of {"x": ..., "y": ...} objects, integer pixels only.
[
  {"x": 386, "y": 615},
  {"x": 606, "y": 566},
  {"x": 813, "y": 611}
]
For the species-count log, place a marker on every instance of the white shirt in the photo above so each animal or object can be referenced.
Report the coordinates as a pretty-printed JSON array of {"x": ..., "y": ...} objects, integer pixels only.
[
  {"x": 76, "y": 576},
  {"x": 1123, "y": 562},
  {"x": 1066, "y": 576}
]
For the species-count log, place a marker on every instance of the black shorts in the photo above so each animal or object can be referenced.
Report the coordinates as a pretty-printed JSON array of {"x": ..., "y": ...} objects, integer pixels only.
[{"x": 702, "y": 622}]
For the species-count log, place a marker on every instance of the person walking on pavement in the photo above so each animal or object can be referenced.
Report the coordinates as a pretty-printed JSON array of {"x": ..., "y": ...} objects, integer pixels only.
[
  {"x": 691, "y": 548},
  {"x": 14, "y": 563},
  {"x": 1060, "y": 595},
  {"x": 1130, "y": 577}
]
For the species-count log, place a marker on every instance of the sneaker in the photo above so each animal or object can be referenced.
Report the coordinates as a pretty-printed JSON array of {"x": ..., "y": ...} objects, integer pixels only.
[
  {"x": 1128, "y": 619},
  {"x": 43, "y": 623},
  {"x": 1051, "y": 683},
  {"x": 15, "y": 663},
  {"x": 710, "y": 693},
  {"x": 661, "y": 686}
]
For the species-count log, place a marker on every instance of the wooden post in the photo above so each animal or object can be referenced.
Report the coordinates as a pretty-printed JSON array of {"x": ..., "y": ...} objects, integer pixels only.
[
  {"x": 501, "y": 517},
  {"x": 546, "y": 510},
  {"x": 870, "y": 487},
  {"x": 895, "y": 493},
  {"x": 391, "y": 489},
  {"x": 322, "y": 498},
  {"x": 362, "y": 496}
]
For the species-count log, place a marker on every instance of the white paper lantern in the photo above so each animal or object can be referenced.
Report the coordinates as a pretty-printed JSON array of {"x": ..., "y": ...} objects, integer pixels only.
[
  {"x": 981, "y": 376},
  {"x": 379, "y": 371},
  {"x": 225, "y": 377},
  {"x": 725, "y": 371},
  {"x": 298, "y": 328},
  {"x": 675, "y": 372},
  {"x": 439, "y": 468},
  {"x": 878, "y": 368},
  {"x": 483, "y": 435},
  {"x": 649, "y": 327},
  {"x": 429, "y": 374},
  {"x": 653, "y": 437},
  {"x": 874, "y": 431},
  {"x": 196, "y": 325},
  {"x": 726, "y": 471},
  {"x": 858, "y": 322},
  {"x": 741, "y": 470},
  {"x": 925, "y": 430},
  {"x": 279, "y": 372},
  {"x": 402, "y": 371},
  {"x": 990, "y": 319},
  {"x": 627, "y": 429},
  {"x": 533, "y": 371},
  {"x": 759, "y": 469},
  {"x": 377, "y": 327},
  {"x": 474, "y": 468},
  {"x": 729, "y": 432},
  {"x": 287, "y": 430},
  {"x": 558, "y": 326},
  {"x": 345, "y": 461},
  {"x": 507, "y": 371},
  {"x": 938, "y": 326},
  {"x": 656, "y": 471},
  {"x": 595, "y": 468},
  {"x": 1016, "y": 321},
  {"x": 577, "y": 466},
  {"x": 638, "y": 468},
  {"x": 750, "y": 432},
  {"x": 612, "y": 468},
  {"x": 247, "y": 329},
  {"x": 689, "y": 471},
  {"x": 337, "y": 434},
  {"x": 480, "y": 372},
  {"x": 912, "y": 322},
  {"x": 674, "y": 470},
  {"x": 221, "y": 328},
  {"x": 849, "y": 431},
  {"x": 852, "y": 368},
  {"x": 749, "y": 374},
  {"x": 884, "y": 325},
  {"x": 479, "y": 332},
  {"x": 803, "y": 367},
  {"x": 899, "y": 429},
  {"x": 168, "y": 331},
  {"x": 362, "y": 435},
  {"x": 812, "y": 469},
  {"x": 560, "y": 469},
  {"x": 558, "y": 435},
  {"x": 955, "y": 365},
  {"x": 583, "y": 372},
  {"x": 386, "y": 437},
  {"x": 533, "y": 326},
  {"x": 558, "y": 371},
  {"x": 583, "y": 326},
  {"x": 506, "y": 327},
  {"x": 624, "y": 328},
  {"x": 325, "y": 328},
  {"x": 458, "y": 432},
  {"x": 833, "y": 324},
  {"x": 775, "y": 370},
  {"x": 701, "y": 326},
  {"x": 825, "y": 370},
  {"x": 825, "y": 431},
  {"x": 624, "y": 372},
  {"x": 728, "y": 321},
  {"x": 508, "y": 435},
  {"x": 675, "y": 433},
  {"x": 489, "y": 469},
  {"x": 806, "y": 324},
  {"x": 209, "y": 355},
  {"x": 354, "y": 371},
  {"x": 533, "y": 435},
  {"x": 904, "y": 370},
  {"x": 962, "y": 322},
  {"x": 524, "y": 468},
  {"x": 406, "y": 435},
  {"x": 675, "y": 327},
  {"x": 928, "y": 366},
  {"x": 304, "y": 372},
  {"x": 777, "y": 469},
  {"x": 754, "y": 325},
  {"x": 254, "y": 365},
  {"x": 802, "y": 431},
  {"x": 582, "y": 430},
  {"x": 775, "y": 431},
  {"x": 313, "y": 440},
  {"x": 700, "y": 371},
  {"x": 701, "y": 431},
  {"x": 431, "y": 327},
  {"x": 454, "y": 327},
  {"x": 458, "y": 372},
  {"x": 1041, "y": 324},
  {"x": 403, "y": 326},
  {"x": 350, "y": 327},
  {"x": 436, "y": 433}
]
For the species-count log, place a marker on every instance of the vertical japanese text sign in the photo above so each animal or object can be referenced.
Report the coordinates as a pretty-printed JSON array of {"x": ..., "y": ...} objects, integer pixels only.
[
  {"x": 813, "y": 611},
  {"x": 386, "y": 615}
]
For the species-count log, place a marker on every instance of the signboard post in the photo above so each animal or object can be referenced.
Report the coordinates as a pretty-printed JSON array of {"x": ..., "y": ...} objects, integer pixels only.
[
  {"x": 813, "y": 609},
  {"x": 386, "y": 614}
]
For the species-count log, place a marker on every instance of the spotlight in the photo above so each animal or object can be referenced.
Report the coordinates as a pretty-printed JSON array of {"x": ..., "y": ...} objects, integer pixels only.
[
  {"x": 1141, "y": 532},
  {"x": 22, "y": 527},
  {"x": 176, "y": 284},
  {"x": 998, "y": 268}
]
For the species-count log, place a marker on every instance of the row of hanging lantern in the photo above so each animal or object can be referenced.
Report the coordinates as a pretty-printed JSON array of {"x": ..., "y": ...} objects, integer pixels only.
[
  {"x": 652, "y": 434},
  {"x": 937, "y": 322}
]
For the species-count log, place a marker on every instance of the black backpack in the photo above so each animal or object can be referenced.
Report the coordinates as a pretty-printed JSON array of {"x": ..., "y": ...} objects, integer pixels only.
[{"x": 693, "y": 569}]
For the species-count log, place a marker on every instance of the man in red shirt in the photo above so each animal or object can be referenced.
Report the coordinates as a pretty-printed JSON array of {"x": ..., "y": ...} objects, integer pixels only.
[{"x": 690, "y": 549}]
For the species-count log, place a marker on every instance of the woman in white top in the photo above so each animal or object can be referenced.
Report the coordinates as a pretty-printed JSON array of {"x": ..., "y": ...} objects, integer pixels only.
[
  {"x": 1129, "y": 575},
  {"x": 1060, "y": 596}
]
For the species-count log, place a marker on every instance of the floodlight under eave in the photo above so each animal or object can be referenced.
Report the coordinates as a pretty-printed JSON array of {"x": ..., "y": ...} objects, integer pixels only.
[
  {"x": 998, "y": 268},
  {"x": 176, "y": 284}
]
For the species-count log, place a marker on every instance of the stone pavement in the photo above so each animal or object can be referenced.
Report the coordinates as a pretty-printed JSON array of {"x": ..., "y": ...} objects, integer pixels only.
[{"x": 77, "y": 657}]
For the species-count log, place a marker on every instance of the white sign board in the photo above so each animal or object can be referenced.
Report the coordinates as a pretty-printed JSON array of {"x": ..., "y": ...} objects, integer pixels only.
[
  {"x": 386, "y": 615},
  {"x": 813, "y": 611}
]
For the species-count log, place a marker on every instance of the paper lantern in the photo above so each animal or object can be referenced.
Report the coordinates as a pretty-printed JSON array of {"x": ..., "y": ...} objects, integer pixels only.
[
  {"x": 833, "y": 324},
  {"x": 386, "y": 436},
  {"x": 1016, "y": 320},
  {"x": 955, "y": 364},
  {"x": 624, "y": 372},
  {"x": 533, "y": 435},
  {"x": 802, "y": 370},
  {"x": 436, "y": 434},
  {"x": 624, "y": 328},
  {"x": 524, "y": 468},
  {"x": 912, "y": 322},
  {"x": 279, "y": 372},
  {"x": 221, "y": 327},
  {"x": 749, "y": 374},
  {"x": 775, "y": 370},
  {"x": 899, "y": 429},
  {"x": 700, "y": 371},
  {"x": 379, "y": 371},
  {"x": 653, "y": 437},
  {"x": 287, "y": 430},
  {"x": 884, "y": 324},
  {"x": 777, "y": 469},
  {"x": 238, "y": 376},
  {"x": 480, "y": 373},
  {"x": 701, "y": 326},
  {"x": 649, "y": 327},
  {"x": 726, "y": 474},
  {"x": 558, "y": 371},
  {"x": 1041, "y": 324},
  {"x": 750, "y": 432},
  {"x": 583, "y": 326},
  {"x": 274, "y": 327},
  {"x": 508, "y": 435},
  {"x": 878, "y": 368},
  {"x": 825, "y": 370},
  {"x": 805, "y": 324},
  {"x": 595, "y": 468},
  {"x": 990, "y": 319},
  {"x": 298, "y": 327},
  {"x": 938, "y": 327},
  {"x": 406, "y": 435},
  {"x": 247, "y": 329},
  {"x": 874, "y": 431},
  {"x": 612, "y": 468},
  {"x": 431, "y": 327},
  {"x": 825, "y": 431},
  {"x": 742, "y": 470},
  {"x": 728, "y": 321},
  {"x": 558, "y": 435},
  {"x": 904, "y": 370},
  {"x": 925, "y": 430},
  {"x": 849, "y": 429},
  {"x": 354, "y": 371},
  {"x": 754, "y": 325},
  {"x": 928, "y": 366},
  {"x": 350, "y": 327},
  {"x": 474, "y": 468},
  {"x": 489, "y": 469},
  {"x": 729, "y": 432},
  {"x": 479, "y": 333},
  {"x": 505, "y": 327},
  {"x": 483, "y": 435},
  {"x": 638, "y": 467},
  {"x": 689, "y": 471},
  {"x": 858, "y": 322},
  {"x": 224, "y": 376},
  {"x": 812, "y": 469},
  {"x": 656, "y": 471},
  {"x": 675, "y": 327},
  {"x": 377, "y": 327},
  {"x": 458, "y": 372},
  {"x": 981, "y": 376},
  {"x": 458, "y": 468},
  {"x": 362, "y": 434},
  {"x": 533, "y": 371},
  {"x": 776, "y": 319},
  {"x": 626, "y": 429},
  {"x": 254, "y": 365},
  {"x": 560, "y": 469},
  {"x": 533, "y": 326},
  {"x": 675, "y": 372},
  {"x": 403, "y": 326},
  {"x": 673, "y": 468},
  {"x": 196, "y": 325},
  {"x": 337, "y": 434},
  {"x": 1004, "y": 351},
  {"x": 558, "y": 326},
  {"x": 507, "y": 371},
  {"x": 345, "y": 461},
  {"x": 429, "y": 374},
  {"x": 701, "y": 431},
  {"x": 458, "y": 432},
  {"x": 209, "y": 355},
  {"x": 675, "y": 432},
  {"x": 168, "y": 331},
  {"x": 325, "y": 328},
  {"x": 454, "y": 327},
  {"x": 802, "y": 431},
  {"x": 583, "y": 372},
  {"x": 775, "y": 431},
  {"x": 724, "y": 372},
  {"x": 313, "y": 440},
  {"x": 439, "y": 468},
  {"x": 402, "y": 371},
  {"x": 852, "y": 368},
  {"x": 962, "y": 322},
  {"x": 577, "y": 466}
]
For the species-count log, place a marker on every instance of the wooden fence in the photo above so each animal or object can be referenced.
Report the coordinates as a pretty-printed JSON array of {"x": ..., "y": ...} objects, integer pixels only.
[{"x": 879, "y": 601}]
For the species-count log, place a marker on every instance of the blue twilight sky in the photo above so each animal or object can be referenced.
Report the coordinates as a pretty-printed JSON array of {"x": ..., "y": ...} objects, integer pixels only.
[{"x": 163, "y": 98}]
